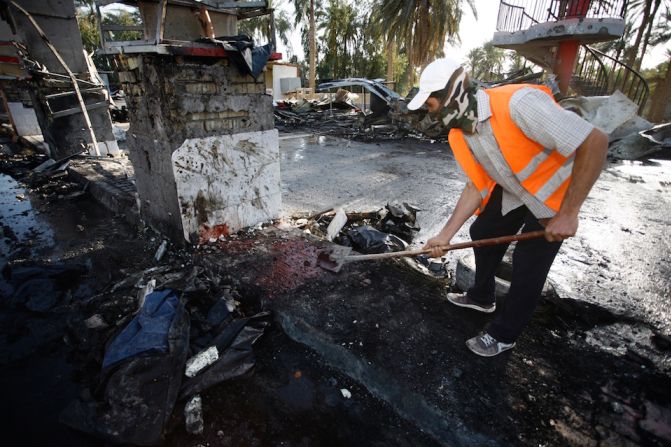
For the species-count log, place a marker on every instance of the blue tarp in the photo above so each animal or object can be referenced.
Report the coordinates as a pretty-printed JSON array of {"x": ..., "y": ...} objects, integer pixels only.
[{"x": 148, "y": 331}]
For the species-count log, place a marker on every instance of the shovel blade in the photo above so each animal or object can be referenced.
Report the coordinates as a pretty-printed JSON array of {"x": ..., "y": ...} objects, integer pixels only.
[{"x": 333, "y": 259}]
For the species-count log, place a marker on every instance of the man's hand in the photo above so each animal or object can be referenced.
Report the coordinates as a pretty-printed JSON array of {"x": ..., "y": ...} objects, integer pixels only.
[
  {"x": 561, "y": 227},
  {"x": 434, "y": 243},
  {"x": 468, "y": 202}
]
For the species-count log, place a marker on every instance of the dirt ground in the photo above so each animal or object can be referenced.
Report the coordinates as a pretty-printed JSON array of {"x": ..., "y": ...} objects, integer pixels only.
[{"x": 593, "y": 368}]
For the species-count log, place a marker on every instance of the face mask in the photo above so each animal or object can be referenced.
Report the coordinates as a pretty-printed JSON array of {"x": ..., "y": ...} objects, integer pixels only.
[{"x": 460, "y": 107}]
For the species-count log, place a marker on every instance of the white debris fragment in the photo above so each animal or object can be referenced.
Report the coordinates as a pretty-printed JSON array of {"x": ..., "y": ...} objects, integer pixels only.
[
  {"x": 146, "y": 290},
  {"x": 345, "y": 393},
  {"x": 161, "y": 250},
  {"x": 95, "y": 322},
  {"x": 193, "y": 415},
  {"x": 339, "y": 221},
  {"x": 201, "y": 360},
  {"x": 119, "y": 133},
  {"x": 231, "y": 304}
]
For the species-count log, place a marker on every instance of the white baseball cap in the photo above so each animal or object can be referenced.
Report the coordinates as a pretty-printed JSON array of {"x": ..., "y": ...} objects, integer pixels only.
[{"x": 433, "y": 78}]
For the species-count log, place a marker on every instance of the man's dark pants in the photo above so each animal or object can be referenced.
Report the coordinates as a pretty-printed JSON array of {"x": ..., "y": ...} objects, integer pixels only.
[{"x": 531, "y": 263}]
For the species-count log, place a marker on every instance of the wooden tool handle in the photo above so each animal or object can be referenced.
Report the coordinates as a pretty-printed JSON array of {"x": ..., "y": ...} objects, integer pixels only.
[{"x": 450, "y": 247}]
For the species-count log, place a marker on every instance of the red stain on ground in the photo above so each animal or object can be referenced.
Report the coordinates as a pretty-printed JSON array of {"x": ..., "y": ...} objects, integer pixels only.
[
  {"x": 207, "y": 232},
  {"x": 293, "y": 263}
]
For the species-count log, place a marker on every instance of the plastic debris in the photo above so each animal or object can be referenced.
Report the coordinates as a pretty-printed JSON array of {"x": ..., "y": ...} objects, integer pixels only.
[
  {"x": 201, "y": 360},
  {"x": 346, "y": 393},
  {"x": 220, "y": 311},
  {"x": 138, "y": 392},
  {"x": 40, "y": 288},
  {"x": 193, "y": 415},
  {"x": 148, "y": 331},
  {"x": 369, "y": 240},
  {"x": 399, "y": 219}
]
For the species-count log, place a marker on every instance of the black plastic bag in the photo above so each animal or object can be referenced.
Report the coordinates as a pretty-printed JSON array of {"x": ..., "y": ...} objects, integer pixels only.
[
  {"x": 368, "y": 240},
  {"x": 136, "y": 396}
]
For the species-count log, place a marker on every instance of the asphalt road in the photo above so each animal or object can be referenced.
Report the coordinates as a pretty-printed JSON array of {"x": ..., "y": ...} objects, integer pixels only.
[{"x": 618, "y": 260}]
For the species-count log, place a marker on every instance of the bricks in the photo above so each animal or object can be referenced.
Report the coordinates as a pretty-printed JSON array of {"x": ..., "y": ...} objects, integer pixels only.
[
  {"x": 226, "y": 124},
  {"x": 217, "y": 115},
  {"x": 200, "y": 88}
]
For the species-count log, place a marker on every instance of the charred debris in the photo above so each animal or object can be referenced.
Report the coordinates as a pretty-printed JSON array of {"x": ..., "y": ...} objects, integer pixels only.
[{"x": 366, "y": 110}]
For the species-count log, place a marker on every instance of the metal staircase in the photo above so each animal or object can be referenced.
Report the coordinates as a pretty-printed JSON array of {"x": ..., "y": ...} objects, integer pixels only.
[
  {"x": 524, "y": 25},
  {"x": 597, "y": 73}
]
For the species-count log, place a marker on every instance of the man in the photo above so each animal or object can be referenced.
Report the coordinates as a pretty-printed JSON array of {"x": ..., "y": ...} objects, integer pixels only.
[{"x": 530, "y": 165}]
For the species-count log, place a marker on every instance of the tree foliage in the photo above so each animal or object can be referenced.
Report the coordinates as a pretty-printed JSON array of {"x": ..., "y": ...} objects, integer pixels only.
[
  {"x": 259, "y": 27},
  {"x": 486, "y": 63},
  {"x": 420, "y": 28},
  {"x": 90, "y": 31}
]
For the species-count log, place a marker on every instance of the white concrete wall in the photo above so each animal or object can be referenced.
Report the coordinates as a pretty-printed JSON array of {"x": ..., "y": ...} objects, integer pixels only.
[
  {"x": 279, "y": 72},
  {"x": 231, "y": 180}
]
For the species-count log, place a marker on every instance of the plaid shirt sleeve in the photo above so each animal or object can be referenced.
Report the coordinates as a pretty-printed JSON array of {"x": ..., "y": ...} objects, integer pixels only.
[{"x": 544, "y": 121}]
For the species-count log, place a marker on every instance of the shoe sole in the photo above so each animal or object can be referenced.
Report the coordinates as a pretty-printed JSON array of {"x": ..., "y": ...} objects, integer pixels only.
[
  {"x": 474, "y": 307},
  {"x": 490, "y": 355}
]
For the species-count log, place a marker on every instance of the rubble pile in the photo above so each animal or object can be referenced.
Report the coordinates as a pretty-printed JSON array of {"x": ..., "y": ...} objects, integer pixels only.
[
  {"x": 44, "y": 177},
  {"x": 162, "y": 336},
  {"x": 342, "y": 115},
  {"x": 630, "y": 136},
  {"x": 390, "y": 228}
]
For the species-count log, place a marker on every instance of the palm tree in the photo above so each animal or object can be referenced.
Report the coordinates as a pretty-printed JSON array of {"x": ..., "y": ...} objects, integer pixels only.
[
  {"x": 305, "y": 9},
  {"x": 340, "y": 26},
  {"x": 421, "y": 27},
  {"x": 260, "y": 26},
  {"x": 643, "y": 9},
  {"x": 485, "y": 63},
  {"x": 662, "y": 93}
]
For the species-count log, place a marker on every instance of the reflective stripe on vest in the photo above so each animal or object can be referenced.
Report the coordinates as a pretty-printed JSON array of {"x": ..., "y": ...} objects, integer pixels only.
[
  {"x": 476, "y": 173},
  {"x": 543, "y": 172}
]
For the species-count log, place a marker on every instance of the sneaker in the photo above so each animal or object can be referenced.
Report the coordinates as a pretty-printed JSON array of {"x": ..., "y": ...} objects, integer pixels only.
[
  {"x": 462, "y": 300},
  {"x": 486, "y": 346}
]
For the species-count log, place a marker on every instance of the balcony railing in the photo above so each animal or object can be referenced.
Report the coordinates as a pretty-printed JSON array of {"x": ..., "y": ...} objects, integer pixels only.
[{"x": 518, "y": 15}]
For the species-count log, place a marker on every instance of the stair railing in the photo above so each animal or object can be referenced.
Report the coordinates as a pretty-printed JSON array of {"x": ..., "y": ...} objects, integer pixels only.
[
  {"x": 607, "y": 74},
  {"x": 518, "y": 15},
  {"x": 590, "y": 74}
]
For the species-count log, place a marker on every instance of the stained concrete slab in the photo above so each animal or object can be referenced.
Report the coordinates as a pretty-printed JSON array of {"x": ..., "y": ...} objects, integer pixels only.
[{"x": 110, "y": 182}]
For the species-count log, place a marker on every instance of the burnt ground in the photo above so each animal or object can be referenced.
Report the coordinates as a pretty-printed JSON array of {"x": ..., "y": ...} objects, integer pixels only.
[
  {"x": 76, "y": 251},
  {"x": 586, "y": 372}
]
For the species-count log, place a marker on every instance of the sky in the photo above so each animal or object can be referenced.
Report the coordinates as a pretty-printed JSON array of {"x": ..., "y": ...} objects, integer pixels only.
[{"x": 474, "y": 33}]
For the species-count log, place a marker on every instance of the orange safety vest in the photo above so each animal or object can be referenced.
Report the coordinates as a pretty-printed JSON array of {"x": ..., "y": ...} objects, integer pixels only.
[{"x": 543, "y": 172}]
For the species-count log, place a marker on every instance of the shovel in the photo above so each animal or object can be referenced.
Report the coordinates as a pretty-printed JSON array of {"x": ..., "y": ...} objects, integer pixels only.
[{"x": 339, "y": 255}]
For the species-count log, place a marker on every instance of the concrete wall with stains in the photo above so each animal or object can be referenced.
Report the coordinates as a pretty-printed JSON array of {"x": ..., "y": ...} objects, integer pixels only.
[{"x": 175, "y": 100}]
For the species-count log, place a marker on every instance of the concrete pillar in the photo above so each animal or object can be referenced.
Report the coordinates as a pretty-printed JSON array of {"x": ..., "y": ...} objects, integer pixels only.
[
  {"x": 56, "y": 106},
  {"x": 567, "y": 53},
  {"x": 202, "y": 143}
]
